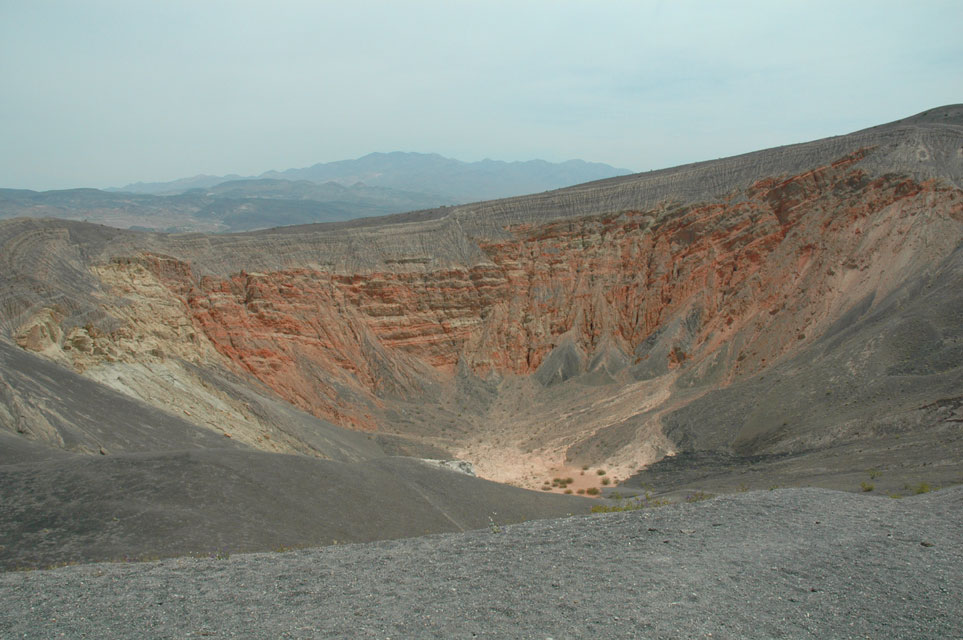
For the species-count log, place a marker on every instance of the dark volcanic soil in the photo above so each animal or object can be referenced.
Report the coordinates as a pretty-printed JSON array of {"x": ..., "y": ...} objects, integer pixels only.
[
  {"x": 150, "y": 506},
  {"x": 800, "y": 563}
]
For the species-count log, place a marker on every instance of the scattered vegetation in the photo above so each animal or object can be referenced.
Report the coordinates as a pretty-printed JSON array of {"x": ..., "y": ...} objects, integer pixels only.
[
  {"x": 601, "y": 472},
  {"x": 634, "y": 504},
  {"x": 922, "y": 487},
  {"x": 561, "y": 483},
  {"x": 287, "y": 548},
  {"x": 698, "y": 496},
  {"x": 874, "y": 473},
  {"x": 866, "y": 486},
  {"x": 605, "y": 481},
  {"x": 592, "y": 491}
]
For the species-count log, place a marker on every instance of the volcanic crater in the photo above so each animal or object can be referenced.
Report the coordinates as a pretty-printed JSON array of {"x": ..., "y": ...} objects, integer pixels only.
[{"x": 787, "y": 317}]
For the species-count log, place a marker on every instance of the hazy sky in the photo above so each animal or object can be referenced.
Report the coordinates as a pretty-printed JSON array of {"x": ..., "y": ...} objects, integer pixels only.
[{"x": 103, "y": 93}]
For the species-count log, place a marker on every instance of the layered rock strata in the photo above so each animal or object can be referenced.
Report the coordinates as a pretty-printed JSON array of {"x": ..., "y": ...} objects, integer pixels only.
[{"x": 763, "y": 270}]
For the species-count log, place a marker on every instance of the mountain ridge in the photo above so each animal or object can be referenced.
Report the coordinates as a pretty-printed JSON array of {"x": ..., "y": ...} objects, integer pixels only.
[
  {"x": 336, "y": 191},
  {"x": 427, "y": 173}
]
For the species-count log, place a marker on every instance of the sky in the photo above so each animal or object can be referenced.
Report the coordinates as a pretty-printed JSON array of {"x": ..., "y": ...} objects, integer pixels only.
[{"x": 105, "y": 93}]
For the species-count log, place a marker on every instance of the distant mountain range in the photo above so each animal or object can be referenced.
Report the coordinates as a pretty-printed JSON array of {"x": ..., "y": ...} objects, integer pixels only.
[
  {"x": 377, "y": 184},
  {"x": 241, "y": 205},
  {"x": 445, "y": 179}
]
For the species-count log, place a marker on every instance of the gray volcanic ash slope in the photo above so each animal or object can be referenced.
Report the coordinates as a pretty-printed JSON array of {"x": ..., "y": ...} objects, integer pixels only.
[
  {"x": 208, "y": 501},
  {"x": 790, "y": 563},
  {"x": 131, "y": 481},
  {"x": 788, "y": 317}
]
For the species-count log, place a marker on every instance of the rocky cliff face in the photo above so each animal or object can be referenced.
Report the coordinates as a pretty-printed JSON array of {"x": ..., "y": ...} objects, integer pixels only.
[{"x": 518, "y": 337}]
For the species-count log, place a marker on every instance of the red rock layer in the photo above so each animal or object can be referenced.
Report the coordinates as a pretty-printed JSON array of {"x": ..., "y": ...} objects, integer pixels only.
[{"x": 766, "y": 264}]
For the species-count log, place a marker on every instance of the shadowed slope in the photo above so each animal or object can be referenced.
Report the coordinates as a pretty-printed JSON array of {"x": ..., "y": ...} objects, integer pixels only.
[
  {"x": 881, "y": 390},
  {"x": 206, "y": 501},
  {"x": 46, "y": 404}
]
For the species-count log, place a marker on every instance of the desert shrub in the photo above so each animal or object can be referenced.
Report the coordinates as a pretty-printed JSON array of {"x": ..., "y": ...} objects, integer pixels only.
[
  {"x": 546, "y": 488},
  {"x": 592, "y": 491},
  {"x": 605, "y": 481},
  {"x": 568, "y": 491},
  {"x": 285, "y": 548},
  {"x": 866, "y": 486},
  {"x": 645, "y": 502},
  {"x": 601, "y": 472},
  {"x": 581, "y": 492},
  {"x": 698, "y": 496},
  {"x": 874, "y": 473},
  {"x": 923, "y": 487}
]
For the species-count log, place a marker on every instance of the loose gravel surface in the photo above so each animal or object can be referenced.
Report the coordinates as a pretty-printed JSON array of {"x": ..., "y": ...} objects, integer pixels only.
[{"x": 793, "y": 563}]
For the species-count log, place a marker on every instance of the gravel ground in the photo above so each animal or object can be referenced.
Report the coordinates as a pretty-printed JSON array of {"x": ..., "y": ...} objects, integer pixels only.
[{"x": 794, "y": 563}]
